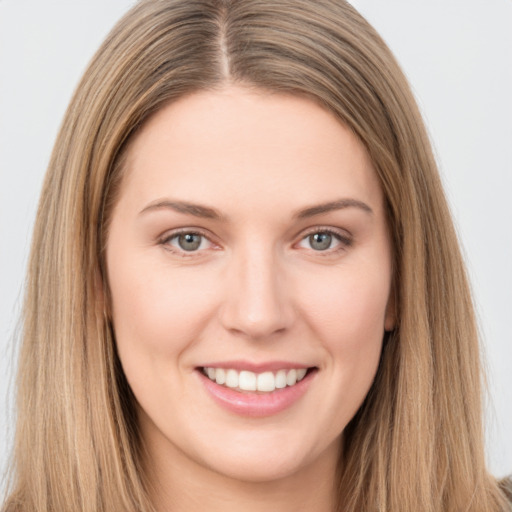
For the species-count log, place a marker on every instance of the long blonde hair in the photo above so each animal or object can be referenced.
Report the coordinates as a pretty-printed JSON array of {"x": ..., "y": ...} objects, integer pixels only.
[{"x": 416, "y": 444}]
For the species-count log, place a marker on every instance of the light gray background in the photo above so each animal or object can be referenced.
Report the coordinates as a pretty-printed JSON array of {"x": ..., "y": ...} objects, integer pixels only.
[{"x": 458, "y": 57}]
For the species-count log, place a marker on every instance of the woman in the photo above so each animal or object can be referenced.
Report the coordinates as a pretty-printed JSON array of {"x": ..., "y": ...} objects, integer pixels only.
[{"x": 242, "y": 209}]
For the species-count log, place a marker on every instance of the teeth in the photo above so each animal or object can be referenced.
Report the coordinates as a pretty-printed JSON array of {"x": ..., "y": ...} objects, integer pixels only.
[
  {"x": 232, "y": 379},
  {"x": 265, "y": 382},
  {"x": 247, "y": 381},
  {"x": 281, "y": 379},
  {"x": 291, "y": 377},
  {"x": 220, "y": 376}
]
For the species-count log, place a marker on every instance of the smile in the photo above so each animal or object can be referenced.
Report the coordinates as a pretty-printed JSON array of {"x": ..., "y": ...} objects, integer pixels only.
[
  {"x": 256, "y": 392},
  {"x": 265, "y": 382}
]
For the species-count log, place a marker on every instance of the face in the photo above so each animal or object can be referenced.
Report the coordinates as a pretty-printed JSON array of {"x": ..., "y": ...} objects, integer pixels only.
[{"x": 249, "y": 265}]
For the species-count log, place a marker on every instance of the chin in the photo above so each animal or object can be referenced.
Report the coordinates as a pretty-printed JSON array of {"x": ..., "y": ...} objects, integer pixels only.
[
  {"x": 267, "y": 459},
  {"x": 260, "y": 469}
]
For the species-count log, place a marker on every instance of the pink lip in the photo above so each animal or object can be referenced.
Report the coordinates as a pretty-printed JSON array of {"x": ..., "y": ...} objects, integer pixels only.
[
  {"x": 269, "y": 366},
  {"x": 253, "y": 404}
]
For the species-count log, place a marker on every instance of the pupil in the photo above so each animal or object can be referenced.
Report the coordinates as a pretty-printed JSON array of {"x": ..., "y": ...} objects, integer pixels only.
[
  {"x": 320, "y": 241},
  {"x": 189, "y": 241}
]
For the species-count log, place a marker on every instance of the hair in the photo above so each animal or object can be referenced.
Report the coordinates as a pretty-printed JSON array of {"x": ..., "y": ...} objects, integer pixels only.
[{"x": 417, "y": 441}]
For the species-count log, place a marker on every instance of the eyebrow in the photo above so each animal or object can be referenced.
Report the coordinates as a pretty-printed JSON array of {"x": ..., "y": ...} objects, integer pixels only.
[
  {"x": 339, "y": 204},
  {"x": 196, "y": 210},
  {"x": 206, "y": 212}
]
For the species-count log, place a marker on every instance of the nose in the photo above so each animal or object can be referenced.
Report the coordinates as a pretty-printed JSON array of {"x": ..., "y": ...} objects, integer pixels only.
[{"x": 257, "y": 304}]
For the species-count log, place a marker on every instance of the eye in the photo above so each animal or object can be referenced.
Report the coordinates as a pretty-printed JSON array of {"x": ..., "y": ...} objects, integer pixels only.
[
  {"x": 320, "y": 241},
  {"x": 324, "y": 240},
  {"x": 187, "y": 241}
]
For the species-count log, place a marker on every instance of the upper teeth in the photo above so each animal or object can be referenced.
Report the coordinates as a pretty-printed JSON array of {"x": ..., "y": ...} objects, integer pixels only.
[{"x": 250, "y": 381}]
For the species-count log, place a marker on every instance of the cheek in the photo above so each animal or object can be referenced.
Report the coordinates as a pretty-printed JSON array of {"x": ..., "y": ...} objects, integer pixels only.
[
  {"x": 156, "y": 311},
  {"x": 351, "y": 302},
  {"x": 347, "y": 311}
]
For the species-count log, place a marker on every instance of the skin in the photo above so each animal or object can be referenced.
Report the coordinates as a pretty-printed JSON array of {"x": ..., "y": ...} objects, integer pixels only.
[{"x": 257, "y": 289}]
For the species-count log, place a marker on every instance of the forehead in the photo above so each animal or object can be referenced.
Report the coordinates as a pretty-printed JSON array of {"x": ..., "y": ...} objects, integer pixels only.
[{"x": 237, "y": 146}]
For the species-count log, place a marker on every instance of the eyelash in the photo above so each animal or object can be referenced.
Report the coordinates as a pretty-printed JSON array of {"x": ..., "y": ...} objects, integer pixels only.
[
  {"x": 165, "y": 241},
  {"x": 345, "y": 241}
]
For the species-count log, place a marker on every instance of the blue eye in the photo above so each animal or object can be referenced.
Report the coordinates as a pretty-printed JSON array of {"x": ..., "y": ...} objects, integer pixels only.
[
  {"x": 188, "y": 241},
  {"x": 324, "y": 240},
  {"x": 320, "y": 241}
]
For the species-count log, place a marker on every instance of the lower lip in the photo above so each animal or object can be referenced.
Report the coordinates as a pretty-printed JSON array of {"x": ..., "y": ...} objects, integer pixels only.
[{"x": 253, "y": 404}]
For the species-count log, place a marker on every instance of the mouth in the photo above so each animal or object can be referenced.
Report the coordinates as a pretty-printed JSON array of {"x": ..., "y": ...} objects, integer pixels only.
[
  {"x": 245, "y": 381},
  {"x": 259, "y": 393}
]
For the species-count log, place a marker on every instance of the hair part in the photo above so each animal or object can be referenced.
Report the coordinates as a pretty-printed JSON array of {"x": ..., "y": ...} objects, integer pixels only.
[{"x": 417, "y": 441}]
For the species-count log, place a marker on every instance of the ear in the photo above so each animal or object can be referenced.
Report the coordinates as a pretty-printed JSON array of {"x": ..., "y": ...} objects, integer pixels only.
[{"x": 390, "y": 318}]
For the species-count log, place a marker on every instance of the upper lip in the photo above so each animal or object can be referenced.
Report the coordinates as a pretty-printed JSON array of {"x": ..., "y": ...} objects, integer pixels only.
[{"x": 267, "y": 366}]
